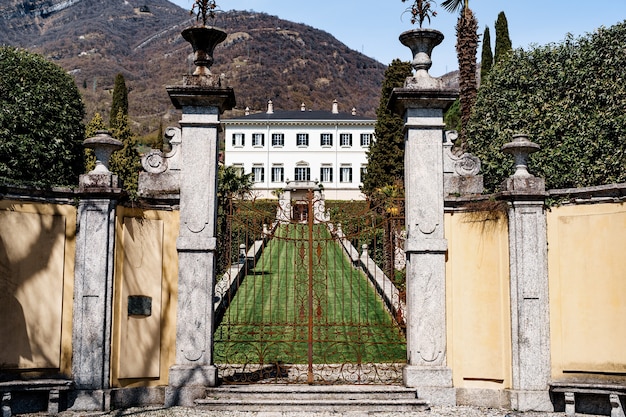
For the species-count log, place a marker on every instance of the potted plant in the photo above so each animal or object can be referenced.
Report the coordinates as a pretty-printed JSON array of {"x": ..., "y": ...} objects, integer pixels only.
[
  {"x": 203, "y": 38},
  {"x": 203, "y": 9},
  {"x": 421, "y": 41},
  {"x": 420, "y": 10}
]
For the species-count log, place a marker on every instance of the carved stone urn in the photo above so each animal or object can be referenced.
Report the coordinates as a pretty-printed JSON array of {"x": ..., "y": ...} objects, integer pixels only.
[
  {"x": 421, "y": 42},
  {"x": 520, "y": 147},
  {"x": 203, "y": 40},
  {"x": 103, "y": 146}
]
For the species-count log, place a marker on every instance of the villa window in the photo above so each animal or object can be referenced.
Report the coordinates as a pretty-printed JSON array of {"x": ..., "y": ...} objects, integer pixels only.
[
  {"x": 278, "y": 173},
  {"x": 239, "y": 140},
  {"x": 326, "y": 139},
  {"x": 345, "y": 174},
  {"x": 278, "y": 139},
  {"x": 366, "y": 139},
  {"x": 258, "y": 174},
  {"x": 345, "y": 139},
  {"x": 302, "y": 139},
  {"x": 326, "y": 174},
  {"x": 258, "y": 139},
  {"x": 302, "y": 174}
]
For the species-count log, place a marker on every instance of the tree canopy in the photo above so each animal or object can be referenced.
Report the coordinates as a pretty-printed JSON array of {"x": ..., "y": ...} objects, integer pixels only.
[
  {"x": 569, "y": 98},
  {"x": 385, "y": 158},
  {"x": 41, "y": 129}
]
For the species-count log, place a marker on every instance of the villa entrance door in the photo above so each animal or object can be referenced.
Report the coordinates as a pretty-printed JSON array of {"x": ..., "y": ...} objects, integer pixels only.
[
  {"x": 303, "y": 304},
  {"x": 300, "y": 212}
]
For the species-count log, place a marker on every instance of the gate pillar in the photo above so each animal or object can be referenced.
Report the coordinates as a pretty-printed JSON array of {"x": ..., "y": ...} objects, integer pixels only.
[
  {"x": 93, "y": 279},
  {"x": 202, "y": 100},
  {"x": 528, "y": 248},
  {"x": 422, "y": 102}
]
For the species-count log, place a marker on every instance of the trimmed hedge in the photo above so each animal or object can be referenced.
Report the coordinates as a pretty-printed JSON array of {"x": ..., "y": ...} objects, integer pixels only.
[
  {"x": 570, "y": 98},
  {"x": 41, "y": 122}
]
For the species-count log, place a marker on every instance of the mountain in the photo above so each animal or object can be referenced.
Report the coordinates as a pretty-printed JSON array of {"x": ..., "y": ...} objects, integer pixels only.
[{"x": 263, "y": 57}]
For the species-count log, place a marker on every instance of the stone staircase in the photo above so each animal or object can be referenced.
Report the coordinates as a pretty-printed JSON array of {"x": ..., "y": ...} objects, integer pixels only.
[{"x": 313, "y": 399}]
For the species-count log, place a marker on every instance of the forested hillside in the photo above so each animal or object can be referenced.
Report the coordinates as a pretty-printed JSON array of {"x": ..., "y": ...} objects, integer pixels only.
[{"x": 263, "y": 57}]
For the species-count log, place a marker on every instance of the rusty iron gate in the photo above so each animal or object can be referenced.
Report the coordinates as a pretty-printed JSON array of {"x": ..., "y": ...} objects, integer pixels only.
[{"x": 310, "y": 293}]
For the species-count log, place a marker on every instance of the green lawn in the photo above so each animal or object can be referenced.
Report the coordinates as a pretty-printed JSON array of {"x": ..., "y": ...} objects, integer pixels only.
[{"x": 269, "y": 319}]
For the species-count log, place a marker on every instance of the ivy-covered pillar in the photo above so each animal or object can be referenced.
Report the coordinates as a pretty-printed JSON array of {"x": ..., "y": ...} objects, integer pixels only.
[
  {"x": 422, "y": 102},
  {"x": 202, "y": 100}
]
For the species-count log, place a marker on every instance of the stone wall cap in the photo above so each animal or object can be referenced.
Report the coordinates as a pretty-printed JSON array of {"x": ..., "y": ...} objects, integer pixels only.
[{"x": 608, "y": 190}]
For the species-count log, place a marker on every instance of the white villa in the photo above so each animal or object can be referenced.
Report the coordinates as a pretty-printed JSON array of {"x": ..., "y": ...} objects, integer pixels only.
[{"x": 301, "y": 150}]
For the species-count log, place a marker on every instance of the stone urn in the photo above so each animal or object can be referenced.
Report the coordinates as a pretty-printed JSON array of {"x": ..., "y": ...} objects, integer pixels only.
[
  {"x": 521, "y": 148},
  {"x": 103, "y": 146},
  {"x": 421, "y": 42},
  {"x": 203, "y": 40}
]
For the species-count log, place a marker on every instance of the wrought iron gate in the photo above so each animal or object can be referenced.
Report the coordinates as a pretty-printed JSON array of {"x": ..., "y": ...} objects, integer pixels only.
[{"x": 299, "y": 303}]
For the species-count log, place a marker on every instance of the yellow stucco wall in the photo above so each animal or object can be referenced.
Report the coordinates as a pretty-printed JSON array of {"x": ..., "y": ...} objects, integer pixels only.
[
  {"x": 586, "y": 261},
  {"x": 37, "y": 246},
  {"x": 477, "y": 297},
  {"x": 146, "y": 264}
]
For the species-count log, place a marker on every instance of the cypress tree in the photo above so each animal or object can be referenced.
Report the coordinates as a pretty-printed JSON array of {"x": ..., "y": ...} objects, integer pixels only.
[
  {"x": 120, "y": 99},
  {"x": 385, "y": 158},
  {"x": 486, "y": 58},
  {"x": 503, "y": 42},
  {"x": 125, "y": 162}
]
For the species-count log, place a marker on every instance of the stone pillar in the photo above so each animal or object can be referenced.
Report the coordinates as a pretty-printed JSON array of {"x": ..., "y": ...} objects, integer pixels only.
[
  {"x": 530, "y": 321},
  {"x": 93, "y": 279},
  {"x": 202, "y": 100},
  {"x": 422, "y": 103}
]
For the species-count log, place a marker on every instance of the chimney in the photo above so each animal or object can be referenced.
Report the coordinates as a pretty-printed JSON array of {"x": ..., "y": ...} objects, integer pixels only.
[
  {"x": 247, "y": 111},
  {"x": 335, "y": 107},
  {"x": 303, "y": 107},
  {"x": 354, "y": 111},
  {"x": 270, "y": 107}
]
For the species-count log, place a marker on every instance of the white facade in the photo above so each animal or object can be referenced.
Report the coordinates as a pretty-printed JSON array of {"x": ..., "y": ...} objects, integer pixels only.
[{"x": 293, "y": 149}]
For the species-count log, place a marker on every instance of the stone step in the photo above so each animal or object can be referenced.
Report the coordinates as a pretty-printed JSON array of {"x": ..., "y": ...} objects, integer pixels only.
[{"x": 285, "y": 398}]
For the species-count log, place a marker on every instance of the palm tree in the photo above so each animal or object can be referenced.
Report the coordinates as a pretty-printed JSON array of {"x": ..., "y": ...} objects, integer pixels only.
[{"x": 466, "y": 48}]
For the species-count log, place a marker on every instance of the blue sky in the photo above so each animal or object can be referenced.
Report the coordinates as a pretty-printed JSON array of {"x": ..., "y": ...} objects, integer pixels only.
[{"x": 373, "y": 26}]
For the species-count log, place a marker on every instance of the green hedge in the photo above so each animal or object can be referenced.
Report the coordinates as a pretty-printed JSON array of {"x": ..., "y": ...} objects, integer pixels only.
[
  {"x": 570, "y": 98},
  {"x": 41, "y": 128}
]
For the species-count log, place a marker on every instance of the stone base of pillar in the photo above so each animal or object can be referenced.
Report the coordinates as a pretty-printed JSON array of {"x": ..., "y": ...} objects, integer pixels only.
[
  {"x": 433, "y": 384},
  {"x": 531, "y": 401},
  {"x": 188, "y": 383},
  {"x": 483, "y": 397},
  {"x": 89, "y": 400}
]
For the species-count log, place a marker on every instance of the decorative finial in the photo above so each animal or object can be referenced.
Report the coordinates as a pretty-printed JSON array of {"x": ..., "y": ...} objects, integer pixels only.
[
  {"x": 520, "y": 147},
  {"x": 103, "y": 146}
]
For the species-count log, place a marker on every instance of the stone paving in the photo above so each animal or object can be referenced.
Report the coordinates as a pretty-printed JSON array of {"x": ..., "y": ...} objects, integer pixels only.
[{"x": 459, "y": 411}]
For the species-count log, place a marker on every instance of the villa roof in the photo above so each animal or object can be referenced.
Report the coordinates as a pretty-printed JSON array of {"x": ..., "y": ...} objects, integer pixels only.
[{"x": 307, "y": 115}]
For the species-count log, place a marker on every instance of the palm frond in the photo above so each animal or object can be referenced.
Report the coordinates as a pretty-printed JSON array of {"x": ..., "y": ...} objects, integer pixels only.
[{"x": 453, "y": 5}]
